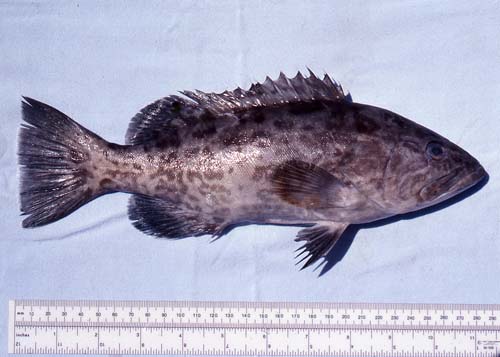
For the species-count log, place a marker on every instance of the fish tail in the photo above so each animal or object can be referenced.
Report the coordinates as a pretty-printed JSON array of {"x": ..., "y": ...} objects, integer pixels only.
[{"x": 54, "y": 154}]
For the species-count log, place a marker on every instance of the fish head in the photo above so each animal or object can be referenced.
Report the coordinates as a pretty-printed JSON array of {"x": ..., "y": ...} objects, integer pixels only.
[{"x": 425, "y": 168}]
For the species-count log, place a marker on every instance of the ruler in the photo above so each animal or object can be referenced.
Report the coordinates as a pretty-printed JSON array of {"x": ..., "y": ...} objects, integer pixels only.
[{"x": 252, "y": 328}]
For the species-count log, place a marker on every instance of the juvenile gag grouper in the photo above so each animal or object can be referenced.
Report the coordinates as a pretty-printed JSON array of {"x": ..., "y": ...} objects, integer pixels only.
[{"x": 287, "y": 151}]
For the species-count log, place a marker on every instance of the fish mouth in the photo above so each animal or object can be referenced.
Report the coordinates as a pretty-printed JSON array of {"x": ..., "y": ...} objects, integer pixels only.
[{"x": 451, "y": 184}]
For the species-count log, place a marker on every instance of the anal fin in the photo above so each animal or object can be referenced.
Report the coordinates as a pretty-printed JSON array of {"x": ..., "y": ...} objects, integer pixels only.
[
  {"x": 165, "y": 219},
  {"x": 320, "y": 239}
]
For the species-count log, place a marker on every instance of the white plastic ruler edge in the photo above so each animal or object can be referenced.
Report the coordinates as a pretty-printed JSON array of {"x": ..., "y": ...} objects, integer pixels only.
[
  {"x": 11, "y": 326},
  {"x": 265, "y": 304}
]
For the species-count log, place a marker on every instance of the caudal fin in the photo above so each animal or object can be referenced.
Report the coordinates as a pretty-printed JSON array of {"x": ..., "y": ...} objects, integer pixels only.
[{"x": 54, "y": 152}]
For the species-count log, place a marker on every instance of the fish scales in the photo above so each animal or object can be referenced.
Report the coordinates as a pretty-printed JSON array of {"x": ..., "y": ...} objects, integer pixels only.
[
  {"x": 289, "y": 151},
  {"x": 227, "y": 163}
]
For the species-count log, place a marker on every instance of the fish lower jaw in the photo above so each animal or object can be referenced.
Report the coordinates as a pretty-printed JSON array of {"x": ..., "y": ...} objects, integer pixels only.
[{"x": 457, "y": 185}]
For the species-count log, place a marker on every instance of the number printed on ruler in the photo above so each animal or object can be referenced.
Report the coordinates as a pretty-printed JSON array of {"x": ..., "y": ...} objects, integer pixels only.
[{"x": 252, "y": 328}]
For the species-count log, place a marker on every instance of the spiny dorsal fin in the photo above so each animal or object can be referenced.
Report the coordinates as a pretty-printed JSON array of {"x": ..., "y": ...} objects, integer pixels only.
[{"x": 271, "y": 92}]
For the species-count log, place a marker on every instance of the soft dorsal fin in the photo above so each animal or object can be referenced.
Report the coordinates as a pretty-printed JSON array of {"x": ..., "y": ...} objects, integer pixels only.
[
  {"x": 271, "y": 92},
  {"x": 155, "y": 123}
]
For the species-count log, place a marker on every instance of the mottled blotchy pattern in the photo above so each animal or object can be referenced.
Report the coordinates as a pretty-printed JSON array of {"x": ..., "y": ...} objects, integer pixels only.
[{"x": 289, "y": 151}]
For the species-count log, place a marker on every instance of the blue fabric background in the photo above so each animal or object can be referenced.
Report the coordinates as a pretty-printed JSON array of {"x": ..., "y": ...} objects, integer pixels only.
[{"x": 434, "y": 62}]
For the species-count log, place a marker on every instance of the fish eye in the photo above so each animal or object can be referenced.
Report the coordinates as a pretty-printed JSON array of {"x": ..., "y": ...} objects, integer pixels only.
[{"x": 435, "y": 150}]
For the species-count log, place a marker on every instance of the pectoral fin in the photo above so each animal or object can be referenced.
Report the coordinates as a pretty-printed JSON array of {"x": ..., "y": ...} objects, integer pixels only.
[
  {"x": 307, "y": 185},
  {"x": 320, "y": 239}
]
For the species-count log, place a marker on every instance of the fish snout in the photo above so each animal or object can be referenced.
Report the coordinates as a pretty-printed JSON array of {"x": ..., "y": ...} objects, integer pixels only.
[
  {"x": 475, "y": 174},
  {"x": 467, "y": 176}
]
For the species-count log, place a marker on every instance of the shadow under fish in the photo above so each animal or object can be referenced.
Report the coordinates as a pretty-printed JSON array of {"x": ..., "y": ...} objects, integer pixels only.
[{"x": 290, "y": 151}]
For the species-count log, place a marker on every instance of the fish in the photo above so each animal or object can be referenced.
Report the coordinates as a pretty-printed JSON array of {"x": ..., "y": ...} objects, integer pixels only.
[{"x": 289, "y": 151}]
